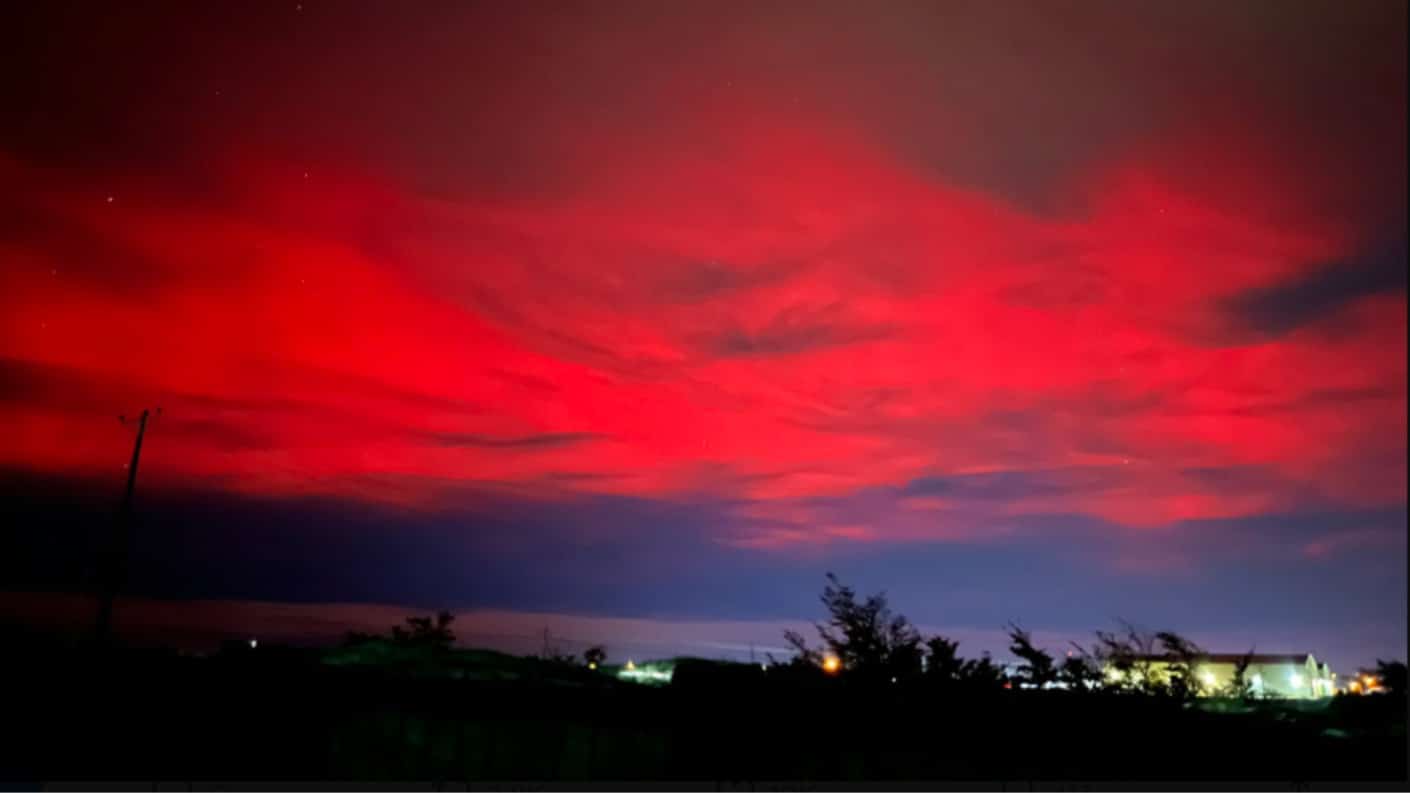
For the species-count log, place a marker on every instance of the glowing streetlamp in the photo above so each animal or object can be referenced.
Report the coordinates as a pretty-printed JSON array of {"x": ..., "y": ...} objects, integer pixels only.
[{"x": 832, "y": 664}]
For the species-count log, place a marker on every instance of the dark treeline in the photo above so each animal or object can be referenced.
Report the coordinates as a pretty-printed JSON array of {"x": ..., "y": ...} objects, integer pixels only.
[
  {"x": 408, "y": 705},
  {"x": 865, "y": 643},
  {"x": 288, "y": 715}
]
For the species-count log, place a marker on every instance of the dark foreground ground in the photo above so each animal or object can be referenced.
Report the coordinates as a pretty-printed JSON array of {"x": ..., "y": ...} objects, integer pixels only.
[{"x": 293, "y": 716}]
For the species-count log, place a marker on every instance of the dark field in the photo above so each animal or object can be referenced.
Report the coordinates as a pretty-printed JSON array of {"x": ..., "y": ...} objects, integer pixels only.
[{"x": 291, "y": 715}]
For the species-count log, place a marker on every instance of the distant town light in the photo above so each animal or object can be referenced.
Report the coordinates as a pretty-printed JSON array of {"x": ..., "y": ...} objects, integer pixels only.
[
  {"x": 832, "y": 664},
  {"x": 630, "y": 665},
  {"x": 254, "y": 643},
  {"x": 1208, "y": 677},
  {"x": 647, "y": 673},
  {"x": 592, "y": 664}
]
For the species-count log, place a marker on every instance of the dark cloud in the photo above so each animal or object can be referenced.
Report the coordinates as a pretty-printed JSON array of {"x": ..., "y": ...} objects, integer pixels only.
[
  {"x": 525, "y": 380},
  {"x": 703, "y": 280},
  {"x": 65, "y": 247},
  {"x": 636, "y": 557},
  {"x": 798, "y": 329},
  {"x": 928, "y": 486},
  {"x": 545, "y": 440},
  {"x": 1270, "y": 403},
  {"x": 959, "y": 89},
  {"x": 1014, "y": 485},
  {"x": 24, "y": 381},
  {"x": 1321, "y": 293}
]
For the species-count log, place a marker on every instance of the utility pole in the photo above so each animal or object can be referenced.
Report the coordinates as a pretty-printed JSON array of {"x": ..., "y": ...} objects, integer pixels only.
[{"x": 113, "y": 567}]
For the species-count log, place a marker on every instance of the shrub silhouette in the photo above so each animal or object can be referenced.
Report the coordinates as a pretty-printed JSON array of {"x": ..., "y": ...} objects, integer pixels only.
[
  {"x": 945, "y": 669},
  {"x": 1037, "y": 669},
  {"x": 982, "y": 674},
  {"x": 1081, "y": 672},
  {"x": 1239, "y": 686},
  {"x": 432, "y": 632},
  {"x": 425, "y": 631},
  {"x": 1182, "y": 657},
  {"x": 875, "y": 645},
  {"x": 871, "y": 642},
  {"x": 1163, "y": 663},
  {"x": 1126, "y": 655},
  {"x": 942, "y": 662},
  {"x": 1392, "y": 675}
]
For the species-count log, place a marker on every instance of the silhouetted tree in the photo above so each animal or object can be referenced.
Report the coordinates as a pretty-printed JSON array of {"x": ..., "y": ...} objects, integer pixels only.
[
  {"x": 1037, "y": 668},
  {"x": 1081, "y": 672},
  {"x": 803, "y": 654},
  {"x": 593, "y": 656},
  {"x": 1125, "y": 656},
  {"x": 945, "y": 668},
  {"x": 870, "y": 641},
  {"x": 982, "y": 673},
  {"x": 426, "y": 631},
  {"x": 1239, "y": 686},
  {"x": 905, "y": 660},
  {"x": 942, "y": 662},
  {"x": 1182, "y": 659},
  {"x": 420, "y": 631},
  {"x": 1392, "y": 675}
]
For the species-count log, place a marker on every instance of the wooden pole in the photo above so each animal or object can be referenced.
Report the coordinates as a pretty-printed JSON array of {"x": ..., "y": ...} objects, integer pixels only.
[{"x": 115, "y": 563}]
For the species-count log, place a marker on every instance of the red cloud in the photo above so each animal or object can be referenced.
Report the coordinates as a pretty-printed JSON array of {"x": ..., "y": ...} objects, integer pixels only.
[{"x": 791, "y": 315}]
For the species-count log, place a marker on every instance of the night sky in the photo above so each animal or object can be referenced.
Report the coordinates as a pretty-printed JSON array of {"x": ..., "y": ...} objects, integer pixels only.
[{"x": 1056, "y": 312}]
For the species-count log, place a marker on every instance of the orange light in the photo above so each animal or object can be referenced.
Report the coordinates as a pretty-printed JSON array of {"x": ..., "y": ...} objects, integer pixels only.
[
  {"x": 1354, "y": 686},
  {"x": 832, "y": 664}
]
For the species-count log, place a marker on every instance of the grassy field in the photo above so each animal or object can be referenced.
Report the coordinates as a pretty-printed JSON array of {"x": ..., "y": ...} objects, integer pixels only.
[{"x": 468, "y": 716}]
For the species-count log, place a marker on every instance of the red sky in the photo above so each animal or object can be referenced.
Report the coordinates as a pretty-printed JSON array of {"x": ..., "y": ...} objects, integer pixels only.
[{"x": 854, "y": 278}]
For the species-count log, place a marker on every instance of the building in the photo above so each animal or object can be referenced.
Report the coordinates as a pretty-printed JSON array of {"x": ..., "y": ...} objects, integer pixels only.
[{"x": 1282, "y": 676}]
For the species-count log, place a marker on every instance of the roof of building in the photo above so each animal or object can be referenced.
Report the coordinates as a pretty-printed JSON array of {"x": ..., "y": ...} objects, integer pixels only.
[
  {"x": 1234, "y": 658},
  {"x": 1259, "y": 658}
]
